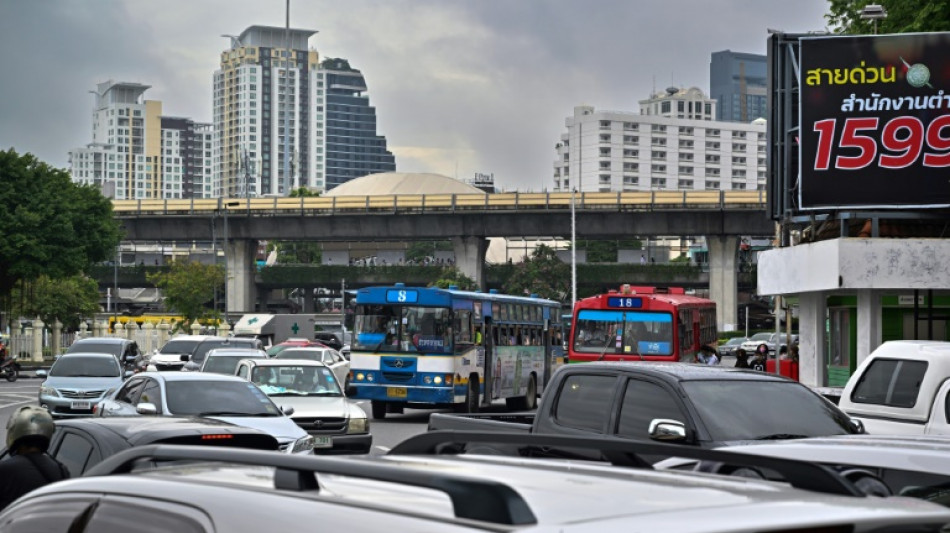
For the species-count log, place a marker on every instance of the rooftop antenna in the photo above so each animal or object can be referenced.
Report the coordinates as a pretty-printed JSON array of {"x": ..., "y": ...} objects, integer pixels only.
[{"x": 654, "y": 86}]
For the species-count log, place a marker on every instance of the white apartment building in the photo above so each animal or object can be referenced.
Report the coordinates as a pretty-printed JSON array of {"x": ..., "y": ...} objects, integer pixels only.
[
  {"x": 672, "y": 144},
  {"x": 136, "y": 153}
]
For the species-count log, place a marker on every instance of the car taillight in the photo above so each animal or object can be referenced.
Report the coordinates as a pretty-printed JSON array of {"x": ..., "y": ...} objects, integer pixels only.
[{"x": 216, "y": 437}]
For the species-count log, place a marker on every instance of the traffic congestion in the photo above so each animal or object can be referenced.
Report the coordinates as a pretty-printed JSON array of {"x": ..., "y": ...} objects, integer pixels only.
[{"x": 485, "y": 389}]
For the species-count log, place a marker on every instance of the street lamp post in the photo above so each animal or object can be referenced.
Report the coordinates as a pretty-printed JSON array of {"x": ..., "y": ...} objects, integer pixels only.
[{"x": 873, "y": 12}]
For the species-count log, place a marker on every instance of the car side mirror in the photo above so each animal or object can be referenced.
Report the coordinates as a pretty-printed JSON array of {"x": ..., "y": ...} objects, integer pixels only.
[
  {"x": 287, "y": 409},
  {"x": 185, "y": 357},
  {"x": 41, "y": 373},
  {"x": 146, "y": 408},
  {"x": 666, "y": 430},
  {"x": 858, "y": 426}
]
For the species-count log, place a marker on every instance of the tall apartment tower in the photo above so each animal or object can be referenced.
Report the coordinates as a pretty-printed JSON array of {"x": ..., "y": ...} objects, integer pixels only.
[
  {"x": 738, "y": 82},
  {"x": 282, "y": 122},
  {"x": 137, "y": 153},
  {"x": 123, "y": 159},
  {"x": 672, "y": 144},
  {"x": 349, "y": 141}
]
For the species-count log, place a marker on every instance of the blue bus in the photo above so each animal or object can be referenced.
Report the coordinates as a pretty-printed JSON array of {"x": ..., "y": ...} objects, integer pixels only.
[{"x": 424, "y": 347}]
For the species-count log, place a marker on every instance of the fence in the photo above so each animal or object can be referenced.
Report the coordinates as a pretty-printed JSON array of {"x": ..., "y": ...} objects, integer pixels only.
[{"x": 40, "y": 344}]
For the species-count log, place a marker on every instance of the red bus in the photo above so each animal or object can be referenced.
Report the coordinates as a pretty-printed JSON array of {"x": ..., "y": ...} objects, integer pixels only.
[{"x": 641, "y": 324}]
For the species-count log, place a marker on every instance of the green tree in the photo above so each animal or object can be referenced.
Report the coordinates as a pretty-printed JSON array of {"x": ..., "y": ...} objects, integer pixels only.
[
  {"x": 188, "y": 287},
  {"x": 453, "y": 276},
  {"x": 66, "y": 299},
  {"x": 303, "y": 192},
  {"x": 49, "y": 225},
  {"x": 903, "y": 16},
  {"x": 543, "y": 274}
]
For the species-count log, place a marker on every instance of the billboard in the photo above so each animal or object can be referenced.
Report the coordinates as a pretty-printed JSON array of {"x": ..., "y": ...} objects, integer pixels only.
[{"x": 874, "y": 121}]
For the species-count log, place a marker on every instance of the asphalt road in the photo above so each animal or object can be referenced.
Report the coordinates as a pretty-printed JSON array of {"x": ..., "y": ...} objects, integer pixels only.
[{"x": 23, "y": 391}]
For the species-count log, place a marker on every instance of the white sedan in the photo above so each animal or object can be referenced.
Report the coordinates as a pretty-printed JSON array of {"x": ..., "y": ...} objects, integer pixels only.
[{"x": 331, "y": 358}]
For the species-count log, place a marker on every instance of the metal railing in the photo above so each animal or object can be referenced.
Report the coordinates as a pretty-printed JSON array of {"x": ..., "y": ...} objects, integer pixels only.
[{"x": 441, "y": 203}]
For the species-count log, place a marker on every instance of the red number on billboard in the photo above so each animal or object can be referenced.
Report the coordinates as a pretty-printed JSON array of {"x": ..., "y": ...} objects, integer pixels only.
[
  {"x": 850, "y": 139},
  {"x": 938, "y": 142},
  {"x": 909, "y": 146},
  {"x": 826, "y": 136}
]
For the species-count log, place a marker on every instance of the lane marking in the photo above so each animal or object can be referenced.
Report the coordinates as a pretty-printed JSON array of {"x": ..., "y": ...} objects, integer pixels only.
[{"x": 4, "y": 405}]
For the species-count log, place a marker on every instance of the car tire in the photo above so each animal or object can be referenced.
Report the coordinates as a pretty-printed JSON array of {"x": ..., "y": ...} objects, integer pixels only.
[{"x": 378, "y": 409}]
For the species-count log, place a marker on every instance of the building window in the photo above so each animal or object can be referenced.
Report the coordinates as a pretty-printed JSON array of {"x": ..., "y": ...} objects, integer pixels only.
[
  {"x": 658, "y": 154},
  {"x": 658, "y": 128},
  {"x": 630, "y": 139},
  {"x": 605, "y": 124}
]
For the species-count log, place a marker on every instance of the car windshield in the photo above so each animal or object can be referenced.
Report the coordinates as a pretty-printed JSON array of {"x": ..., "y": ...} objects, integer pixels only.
[
  {"x": 179, "y": 347},
  {"x": 218, "y": 398},
  {"x": 628, "y": 332},
  {"x": 297, "y": 353},
  {"x": 87, "y": 367},
  {"x": 735, "y": 341},
  {"x": 226, "y": 364},
  {"x": 762, "y": 410},
  {"x": 296, "y": 380},
  {"x": 760, "y": 337},
  {"x": 113, "y": 348}
]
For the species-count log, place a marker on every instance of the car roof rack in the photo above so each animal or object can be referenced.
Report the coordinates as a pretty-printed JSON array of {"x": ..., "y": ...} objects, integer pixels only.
[
  {"x": 629, "y": 453},
  {"x": 472, "y": 498}
]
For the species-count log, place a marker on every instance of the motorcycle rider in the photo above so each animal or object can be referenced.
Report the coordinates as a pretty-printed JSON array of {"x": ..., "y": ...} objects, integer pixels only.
[{"x": 28, "y": 467}]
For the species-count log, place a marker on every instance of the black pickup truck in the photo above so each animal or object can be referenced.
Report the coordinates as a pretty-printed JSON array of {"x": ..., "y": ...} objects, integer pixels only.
[{"x": 707, "y": 406}]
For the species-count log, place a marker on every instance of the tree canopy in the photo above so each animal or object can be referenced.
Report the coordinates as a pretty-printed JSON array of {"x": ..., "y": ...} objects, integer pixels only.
[
  {"x": 453, "y": 276},
  {"x": 188, "y": 287},
  {"x": 67, "y": 299},
  {"x": 49, "y": 226},
  {"x": 903, "y": 16},
  {"x": 543, "y": 274}
]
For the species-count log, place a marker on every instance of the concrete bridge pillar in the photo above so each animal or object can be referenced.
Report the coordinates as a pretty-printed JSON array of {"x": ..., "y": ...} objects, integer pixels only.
[
  {"x": 813, "y": 357},
  {"x": 723, "y": 279},
  {"x": 241, "y": 268},
  {"x": 470, "y": 257}
]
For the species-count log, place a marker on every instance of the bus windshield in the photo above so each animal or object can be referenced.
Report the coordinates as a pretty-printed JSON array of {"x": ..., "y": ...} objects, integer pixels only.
[
  {"x": 404, "y": 328},
  {"x": 626, "y": 332}
]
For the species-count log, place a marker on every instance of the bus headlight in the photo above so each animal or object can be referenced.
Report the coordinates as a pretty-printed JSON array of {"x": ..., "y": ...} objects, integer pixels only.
[
  {"x": 360, "y": 376},
  {"x": 369, "y": 377},
  {"x": 428, "y": 380},
  {"x": 448, "y": 379},
  {"x": 437, "y": 380}
]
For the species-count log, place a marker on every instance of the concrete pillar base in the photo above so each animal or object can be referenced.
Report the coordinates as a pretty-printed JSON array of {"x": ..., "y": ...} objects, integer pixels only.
[
  {"x": 812, "y": 348},
  {"x": 723, "y": 280},
  {"x": 869, "y": 323},
  {"x": 242, "y": 267},
  {"x": 470, "y": 257}
]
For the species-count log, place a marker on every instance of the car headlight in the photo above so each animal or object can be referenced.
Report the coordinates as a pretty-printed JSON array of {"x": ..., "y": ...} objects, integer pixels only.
[
  {"x": 303, "y": 444},
  {"x": 357, "y": 425},
  {"x": 48, "y": 391}
]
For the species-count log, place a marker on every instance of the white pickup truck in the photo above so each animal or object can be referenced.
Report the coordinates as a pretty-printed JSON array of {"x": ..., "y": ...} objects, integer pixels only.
[{"x": 902, "y": 388}]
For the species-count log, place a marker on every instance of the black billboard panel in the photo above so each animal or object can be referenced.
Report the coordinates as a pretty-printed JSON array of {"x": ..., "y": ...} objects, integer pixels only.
[{"x": 875, "y": 121}]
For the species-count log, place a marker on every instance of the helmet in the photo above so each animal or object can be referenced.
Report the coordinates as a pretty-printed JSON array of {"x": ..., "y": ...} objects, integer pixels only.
[{"x": 29, "y": 421}]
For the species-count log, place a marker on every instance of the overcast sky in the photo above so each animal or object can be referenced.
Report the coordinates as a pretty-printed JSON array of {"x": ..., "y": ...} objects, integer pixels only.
[{"x": 459, "y": 86}]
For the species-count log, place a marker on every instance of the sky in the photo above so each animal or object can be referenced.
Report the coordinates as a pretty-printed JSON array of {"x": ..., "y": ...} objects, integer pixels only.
[{"x": 459, "y": 86}]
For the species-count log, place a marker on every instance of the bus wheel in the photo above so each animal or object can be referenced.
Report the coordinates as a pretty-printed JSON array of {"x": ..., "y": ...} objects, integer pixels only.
[
  {"x": 531, "y": 395},
  {"x": 528, "y": 401},
  {"x": 471, "y": 397},
  {"x": 379, "y": 410}
]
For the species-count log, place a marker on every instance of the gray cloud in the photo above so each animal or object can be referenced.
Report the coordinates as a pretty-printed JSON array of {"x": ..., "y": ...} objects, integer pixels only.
[{"x": 460, "y": 86}]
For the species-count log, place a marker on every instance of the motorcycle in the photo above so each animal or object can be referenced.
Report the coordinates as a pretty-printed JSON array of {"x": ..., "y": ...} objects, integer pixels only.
[{"x": 10, "y": 369}]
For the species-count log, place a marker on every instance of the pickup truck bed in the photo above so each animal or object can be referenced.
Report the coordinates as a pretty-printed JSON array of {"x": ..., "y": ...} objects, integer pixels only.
[{"x": 482, "y": 422}]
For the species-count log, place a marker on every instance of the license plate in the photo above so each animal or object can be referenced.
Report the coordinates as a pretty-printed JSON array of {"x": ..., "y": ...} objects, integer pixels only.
[
  {"x": 85, "y": 406},
  {"x": 397, "y": 392},
  {"x": 322, "y": 442}
]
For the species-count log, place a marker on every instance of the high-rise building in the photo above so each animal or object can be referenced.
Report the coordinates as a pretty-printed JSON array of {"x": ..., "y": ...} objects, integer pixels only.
[
  {"x": 137, "y": 153},
  {"x": 738, "y": 81},
  {"x": 349, "y": 141},
  {"x": 281, "y": 121},
  {"x": 672, "y": 144},
  {"x": 123, "y": 159}
]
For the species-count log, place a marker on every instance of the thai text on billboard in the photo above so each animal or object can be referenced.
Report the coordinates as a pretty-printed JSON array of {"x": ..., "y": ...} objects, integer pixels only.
[{"x": 875, "y": 121}]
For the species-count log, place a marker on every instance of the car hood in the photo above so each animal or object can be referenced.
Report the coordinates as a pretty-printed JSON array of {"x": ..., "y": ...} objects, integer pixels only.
[
  {"x": 314, "y": 406},
  {"x": 82, "y": 383},
  {"x": 280, "y": 427},
  {"x": 167, "y": 358}
]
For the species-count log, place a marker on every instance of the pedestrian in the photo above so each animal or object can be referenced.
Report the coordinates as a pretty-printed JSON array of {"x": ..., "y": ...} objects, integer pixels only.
[
  {"x": 28, "y": 467},
  {"x": 707, "y": 355},
  {"x": 760, "y": 357},
  {"x": 742, "y": 358},
  {"x": 643, "y": 259}
]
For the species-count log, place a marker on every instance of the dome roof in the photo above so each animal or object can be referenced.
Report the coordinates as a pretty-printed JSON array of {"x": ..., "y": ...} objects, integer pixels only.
[{"x": 402, "y": 183}]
